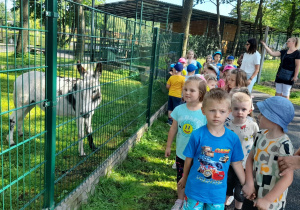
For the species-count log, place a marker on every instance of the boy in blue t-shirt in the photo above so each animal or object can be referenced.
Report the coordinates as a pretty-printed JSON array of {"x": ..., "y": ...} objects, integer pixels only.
[{"x": 210, "y": 151}]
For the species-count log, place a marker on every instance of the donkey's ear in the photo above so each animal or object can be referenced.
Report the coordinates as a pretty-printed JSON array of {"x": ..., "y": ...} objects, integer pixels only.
[{"x": 98, "y": 70}]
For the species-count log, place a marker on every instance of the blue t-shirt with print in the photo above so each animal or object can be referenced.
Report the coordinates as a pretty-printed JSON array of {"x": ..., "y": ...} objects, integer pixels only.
[
  {"x": 187, "y": 121},
  {"x": 207, "y": 179}
]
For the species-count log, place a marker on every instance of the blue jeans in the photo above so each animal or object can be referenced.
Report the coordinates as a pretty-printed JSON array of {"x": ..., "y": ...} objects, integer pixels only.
[{"x": 250, "y": 86}]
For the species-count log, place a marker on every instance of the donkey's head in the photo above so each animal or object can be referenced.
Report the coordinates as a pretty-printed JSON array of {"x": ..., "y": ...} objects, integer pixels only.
[{"x": 89, "y": 92}]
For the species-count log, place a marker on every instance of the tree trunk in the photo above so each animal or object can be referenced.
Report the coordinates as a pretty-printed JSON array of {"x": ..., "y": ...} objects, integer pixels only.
[
  {"x": 218, "y": 25},
  {"x": 185, "y": 22},
  {"x": 22, "y": 42},
  {"x": 238, "y": 29},
  {"x": 259, "y": 12},
  {"x": 292, "y": 20},
  {"x": 80, "y": 25}
]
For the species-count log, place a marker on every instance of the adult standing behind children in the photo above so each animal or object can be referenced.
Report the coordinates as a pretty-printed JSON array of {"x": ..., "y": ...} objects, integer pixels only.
[
  {"x": 175, "y": 84},
  {"x": 263, "y": 182},
  {"x": 290, "y": 60},
  {"x": 186, "y": 118},
  {"x": 251, "y": 62},
  {"x": 210, "y": 151},
  {"x": 246, "y": 130}
]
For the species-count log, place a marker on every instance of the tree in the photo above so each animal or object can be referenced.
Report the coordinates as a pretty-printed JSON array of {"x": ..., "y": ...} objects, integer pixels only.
[
  {"x": 238, "y": 29},
  {"x": 294, "y": 14},
  {"x": 185, "y": 22},
  {"x": 22, "y": 42},
  {"x": 258, "y": 17}
]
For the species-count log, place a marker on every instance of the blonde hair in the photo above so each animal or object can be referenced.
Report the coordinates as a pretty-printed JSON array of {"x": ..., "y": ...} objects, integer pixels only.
[
  {"x": 297, "y": 42},
  {"x": 210, "y": 77},
  {"x": 216, "y": 94},
  {"x": 208, "y": 56},
  {"x": 201, "y": 86},
  {"x": 240, "y": 97}
]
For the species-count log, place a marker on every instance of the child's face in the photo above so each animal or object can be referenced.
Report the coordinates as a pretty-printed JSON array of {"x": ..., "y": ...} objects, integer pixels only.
[
  {"x": 217, "y": 58},
  {"x": 208, "y": 60},
  {"x": 211, "y": 84},
  {"x": 240, "y": 110},
  {"x": 229, "y": 62},
  {"x": 190, "y": 55},
  {"x": 216, "y": 112},
  {"x": 191, "y": 92},
  {"x": 232, "y": 81},
  {"x": 264, "y": 123}
]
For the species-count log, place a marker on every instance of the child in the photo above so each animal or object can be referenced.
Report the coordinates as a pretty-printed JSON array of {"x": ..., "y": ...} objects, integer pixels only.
[
  {"x": 211, "y": 69},
  {"x": 210, "y": 151},
  {"x": 263, "y": 181},
  {"x": 237, "y": 79},
  {"x": 187, "y": 117},
  {"x": 225, "y": 74},
  {"x": 183, "y": 62},
  {"x": 208, "y": 60},
  {"x": 171, "y": 70},
  {"x": 217, "y": 57},
  {"x": 229, "y": 61},
  {"x": 175, "y": 84},
  {"x": 211, "y": 81},
  {"x": 191, "y": 68},
  {"x": 246, "y": 130}
]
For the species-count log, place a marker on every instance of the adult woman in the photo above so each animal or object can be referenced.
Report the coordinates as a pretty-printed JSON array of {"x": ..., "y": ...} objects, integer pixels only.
[
  {"x": 290, "y": 60},
  {"x": 251, "y": 62}
]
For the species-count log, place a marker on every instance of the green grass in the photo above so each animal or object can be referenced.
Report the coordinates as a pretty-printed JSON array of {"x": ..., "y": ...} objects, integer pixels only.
[
  {"x": 121, "y": 113},
  {"x": 145, "y": 180}
]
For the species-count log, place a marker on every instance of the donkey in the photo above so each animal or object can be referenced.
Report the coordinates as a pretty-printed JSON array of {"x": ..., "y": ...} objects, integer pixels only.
[{"x": 75, "y": 97}]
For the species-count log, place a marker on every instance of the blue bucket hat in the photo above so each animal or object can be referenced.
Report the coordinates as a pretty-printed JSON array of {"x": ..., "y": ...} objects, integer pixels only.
[
  {"x": 178, "y": 66},
  {"x": 191, "y": 68},
  {"x": 218, "y": 52},
  {"x": 278, "y": 110}
]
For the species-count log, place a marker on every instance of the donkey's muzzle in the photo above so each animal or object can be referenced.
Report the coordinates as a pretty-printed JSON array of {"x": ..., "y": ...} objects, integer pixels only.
[{"x": 87, "y": 115}]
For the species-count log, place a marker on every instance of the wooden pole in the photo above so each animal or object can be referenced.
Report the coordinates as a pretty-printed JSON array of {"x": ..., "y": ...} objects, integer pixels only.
[{"x": 263, "y": 52}]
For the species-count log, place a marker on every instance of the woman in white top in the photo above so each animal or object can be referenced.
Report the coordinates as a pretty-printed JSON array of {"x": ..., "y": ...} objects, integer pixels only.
[{"x": 251, "y": 62}]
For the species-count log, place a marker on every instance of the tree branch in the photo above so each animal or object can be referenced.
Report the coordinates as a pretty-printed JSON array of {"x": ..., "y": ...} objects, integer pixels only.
[{"x": 213, "y": 2}]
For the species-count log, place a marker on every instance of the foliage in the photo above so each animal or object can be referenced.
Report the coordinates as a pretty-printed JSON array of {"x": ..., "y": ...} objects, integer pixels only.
[{"x": 145, "y": 180}]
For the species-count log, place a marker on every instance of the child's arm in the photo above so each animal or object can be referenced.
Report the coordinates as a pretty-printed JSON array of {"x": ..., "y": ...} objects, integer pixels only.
[
  {"x": 249, "y": 189},
  {"x": 168, "y": 86},
  {"x": 186, "y": 170},
  {"x": 171, "y": 136},
  {"x": 239, "y": 171},
  {"x": 278, "y": 189}
]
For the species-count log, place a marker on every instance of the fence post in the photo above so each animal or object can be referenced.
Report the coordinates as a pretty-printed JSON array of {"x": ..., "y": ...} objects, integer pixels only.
[
  {"x": 152, "y": 69},
  {"x": 51, "y": 61}
]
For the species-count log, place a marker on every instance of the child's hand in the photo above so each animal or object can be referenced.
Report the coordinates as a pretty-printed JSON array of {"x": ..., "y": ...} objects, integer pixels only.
[
  {"x": 181, "y": 183},
  {"x": 249, "y": 191},
  {"x": 262, "y": 204},
  {"x": 168, "y": 152}
]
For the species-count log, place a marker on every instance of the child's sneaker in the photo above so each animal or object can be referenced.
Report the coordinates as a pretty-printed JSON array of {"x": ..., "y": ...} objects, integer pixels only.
[
  {"x": 178, "y": 205},
  {"x": 174, "y": 166}
]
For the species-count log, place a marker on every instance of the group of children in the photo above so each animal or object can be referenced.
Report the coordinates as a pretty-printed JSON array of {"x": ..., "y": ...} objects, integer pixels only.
[{"x": 220, "y": 151}]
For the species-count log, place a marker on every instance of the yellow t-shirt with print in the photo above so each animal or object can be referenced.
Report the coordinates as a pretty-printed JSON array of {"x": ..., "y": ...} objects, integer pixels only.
[{"x": 176, "y": 83}]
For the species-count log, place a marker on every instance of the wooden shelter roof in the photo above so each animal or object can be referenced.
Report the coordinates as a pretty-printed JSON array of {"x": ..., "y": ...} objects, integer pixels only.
[{"x": 157, "y": 11}]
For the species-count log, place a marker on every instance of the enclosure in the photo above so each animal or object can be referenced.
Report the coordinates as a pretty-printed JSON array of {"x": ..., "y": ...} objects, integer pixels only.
[{"x": 43, "y": 166}]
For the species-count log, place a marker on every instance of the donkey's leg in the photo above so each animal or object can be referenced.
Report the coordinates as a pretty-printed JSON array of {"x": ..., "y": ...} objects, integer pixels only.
[
  {"x": 16, "y": 116},
  {"x": 89, "y": 131},
  {"x": 80, "y": 126},
  {"x": 21, "y": 119}
]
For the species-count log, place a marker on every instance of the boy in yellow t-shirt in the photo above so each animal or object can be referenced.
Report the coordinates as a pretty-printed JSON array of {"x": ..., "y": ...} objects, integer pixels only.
[{"x": 175, "y": 84}]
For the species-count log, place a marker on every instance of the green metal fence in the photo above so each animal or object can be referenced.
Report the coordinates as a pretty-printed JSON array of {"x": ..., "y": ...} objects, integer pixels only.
[{"x": 44, "y": 165}]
